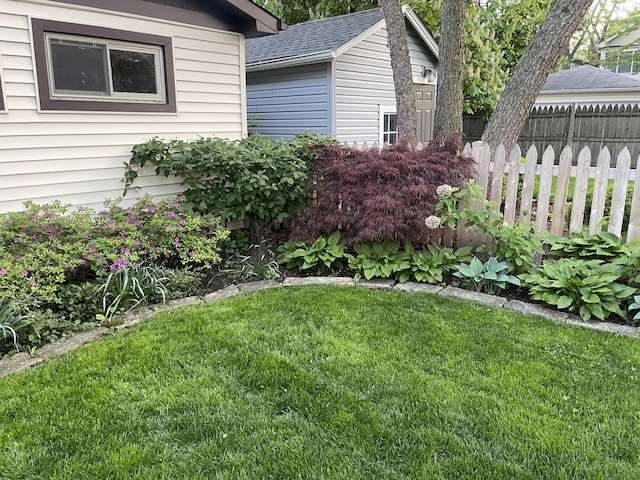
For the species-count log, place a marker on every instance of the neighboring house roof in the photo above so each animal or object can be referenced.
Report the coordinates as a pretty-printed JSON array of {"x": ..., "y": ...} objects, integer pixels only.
[
  {"x": 319, "y": 40},
  {"x": 238, "y": 15},
  {"x": 587, "y": 77},
  {"x": 589, "y": 86}
]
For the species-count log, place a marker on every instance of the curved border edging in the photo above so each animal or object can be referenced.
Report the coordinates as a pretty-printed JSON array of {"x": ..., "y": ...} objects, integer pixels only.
[{"x": 23, "y": 361}]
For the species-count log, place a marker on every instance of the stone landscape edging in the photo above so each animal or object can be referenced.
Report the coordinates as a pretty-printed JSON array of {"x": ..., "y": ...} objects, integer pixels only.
[{"x": 22, "y": 361}]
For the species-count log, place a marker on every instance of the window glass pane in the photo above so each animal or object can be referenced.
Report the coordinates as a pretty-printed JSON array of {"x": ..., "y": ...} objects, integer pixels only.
[
  {"x": 390, "y": 128},
  {"x": 133, "y": 71},
  {"x": 393, "y": 123},
  {"x": 79, "y": 67}
]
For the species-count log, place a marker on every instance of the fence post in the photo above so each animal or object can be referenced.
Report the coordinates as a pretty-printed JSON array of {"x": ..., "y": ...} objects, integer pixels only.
[
  {"x": 580, "y": 190},
  {"x": 544, "y": 192},
  {"x": 619, "y": 195},
  {"x": 562, "y": 187},
  {"x": 599, "y": 191}
]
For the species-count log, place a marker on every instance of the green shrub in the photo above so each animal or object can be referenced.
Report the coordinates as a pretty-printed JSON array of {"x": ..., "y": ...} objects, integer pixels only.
[
  {"x": 78, "y": 303},
  {"x": 256, "y": 178},
  {"x": 46, "y": 246},
  {"x": 590, "y": 288},
  {"x": 183, "y": 282},
  {"x": 489, "y": 277}
]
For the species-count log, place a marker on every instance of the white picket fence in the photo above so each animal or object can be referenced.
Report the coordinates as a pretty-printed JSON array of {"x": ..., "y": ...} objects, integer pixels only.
[
  {"x": 510, "y": 182},
  {"x": 493, "y": 170}
]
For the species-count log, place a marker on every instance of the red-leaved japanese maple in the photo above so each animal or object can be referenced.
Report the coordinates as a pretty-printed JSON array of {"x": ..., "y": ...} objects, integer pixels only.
[{"x": 379, "y": 194}]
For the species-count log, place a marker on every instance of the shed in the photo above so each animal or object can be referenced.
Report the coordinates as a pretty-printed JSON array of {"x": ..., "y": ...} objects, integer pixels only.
[
  {"x": 333, "y": 77},
  {"x": 82, "y": 81}
]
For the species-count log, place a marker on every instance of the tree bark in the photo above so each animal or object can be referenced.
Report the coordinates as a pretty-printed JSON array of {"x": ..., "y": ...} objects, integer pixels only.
[
  {"x": 447, "y": 119},
  {"x": 401, "y": 66},
  {"x": 512, "y": 110}
]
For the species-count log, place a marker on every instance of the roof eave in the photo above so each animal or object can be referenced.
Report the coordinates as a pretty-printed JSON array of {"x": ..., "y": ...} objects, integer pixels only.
[
  {"x": 298, "y": 60},
  {"x": 422, "y": 31},
  {"x": 591, "y": 90}
]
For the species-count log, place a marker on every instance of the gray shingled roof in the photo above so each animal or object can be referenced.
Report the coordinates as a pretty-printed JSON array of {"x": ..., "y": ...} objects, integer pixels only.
[
  {"x": 586, "y": 77},
  {"x": 311, "y": 37}
]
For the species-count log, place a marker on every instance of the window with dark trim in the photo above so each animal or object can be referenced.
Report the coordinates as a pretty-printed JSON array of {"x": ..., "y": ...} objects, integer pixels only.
[{"x": 80, "y": 67}]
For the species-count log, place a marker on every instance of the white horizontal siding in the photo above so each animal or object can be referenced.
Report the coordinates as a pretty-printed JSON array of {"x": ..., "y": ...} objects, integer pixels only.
[
  {"x": 77, "y": 157},
  {"x": 282, "y": 103},
  {"x": 420, "y": 55},
  {"x": 363, "y": 82}
]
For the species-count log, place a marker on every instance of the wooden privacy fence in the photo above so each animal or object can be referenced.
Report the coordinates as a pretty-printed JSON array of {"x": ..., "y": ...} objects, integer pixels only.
[
  {"x": 510, "y": 181},
  {"x": 535, "y": 189}
]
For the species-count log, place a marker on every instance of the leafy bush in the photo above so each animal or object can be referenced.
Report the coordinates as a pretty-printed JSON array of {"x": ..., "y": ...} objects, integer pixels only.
[
  {"x": 378, "y": 195},
  {"x": 41, "y": 247},
  {"x": 78, "y": 303},
  {"x": 46, "y": 246},
  {"x": 257, "y": 178},
  {"x": 588, "y": 287},
  {"x": 325, "y": 254},
  {"x": 183, "y": 282},
  {"x": 489, "y": 277},
  {"x": 167, "y": 232}
]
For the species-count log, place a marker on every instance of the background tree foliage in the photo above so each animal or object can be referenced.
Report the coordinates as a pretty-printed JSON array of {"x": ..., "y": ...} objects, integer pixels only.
[{"x": 605, "y": 19}]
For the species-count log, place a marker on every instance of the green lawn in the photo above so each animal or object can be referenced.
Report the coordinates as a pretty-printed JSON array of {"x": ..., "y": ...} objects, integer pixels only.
[{"x": 330, "y": 382}]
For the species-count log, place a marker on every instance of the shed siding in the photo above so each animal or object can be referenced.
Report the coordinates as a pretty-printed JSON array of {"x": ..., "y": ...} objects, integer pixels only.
[
  {"x": 363, "y": 83},
  {"x": 287, "y": 101},
  {"x": 77, "y": 157},
  {"x": 420, "y": 55}
]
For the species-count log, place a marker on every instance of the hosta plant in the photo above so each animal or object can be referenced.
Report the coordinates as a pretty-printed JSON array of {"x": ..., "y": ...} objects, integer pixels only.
[
  {"x": 599, "y": 246},
  {"x": 429, "y": 265},
  {"x": 635, "y": 306},
  {"x": 587, "y": 287},
  {"x": 489, "y": 277},
  {"x": 381, "y": 260},
  {"x": 325, "y": 254}
]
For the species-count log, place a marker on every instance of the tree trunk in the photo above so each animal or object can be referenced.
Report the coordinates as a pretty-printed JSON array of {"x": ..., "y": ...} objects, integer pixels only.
[
  {"x": 401, "y": 66},
  {"x": 447, "y": 119},
  {"x": 512, "y": 110}
]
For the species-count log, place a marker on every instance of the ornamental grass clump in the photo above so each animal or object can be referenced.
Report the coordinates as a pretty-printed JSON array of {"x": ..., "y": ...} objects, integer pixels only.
[{"x": 379, "y": 195}]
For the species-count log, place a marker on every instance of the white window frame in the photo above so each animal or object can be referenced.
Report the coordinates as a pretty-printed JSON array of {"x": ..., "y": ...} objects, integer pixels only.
[
  {"x": 384, "y": 111},
  {"x": 111, "y": 95}
]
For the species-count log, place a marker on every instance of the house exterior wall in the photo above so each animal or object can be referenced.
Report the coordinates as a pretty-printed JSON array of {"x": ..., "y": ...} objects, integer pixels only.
[
  {"x": 77, "y": 157},
  {"x": 364, "y": 89},
  {"x": 286, "y": 101}
]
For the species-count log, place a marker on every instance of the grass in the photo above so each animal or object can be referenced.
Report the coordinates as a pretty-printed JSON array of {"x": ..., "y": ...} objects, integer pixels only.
[{"x": 330, "y": 383}]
